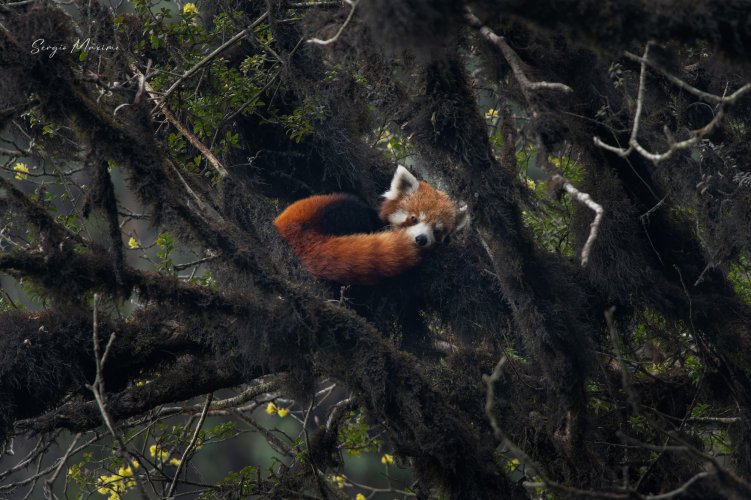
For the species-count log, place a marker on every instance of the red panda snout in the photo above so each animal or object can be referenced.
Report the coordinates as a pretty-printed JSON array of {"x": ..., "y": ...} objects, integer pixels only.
[{"x": 422, "y": 234}]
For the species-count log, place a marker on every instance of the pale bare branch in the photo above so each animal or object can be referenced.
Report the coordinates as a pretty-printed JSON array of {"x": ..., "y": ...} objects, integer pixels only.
[
  {"x": 673, "y": 147},
  {"x": 191, "y": 445},
  {"x": 682, "y": 489},
  {"x": 587, "y": 200},
  {"x": 318, "y": 41},
  {"x": 706, "y": 96},
  {"x": 62, "y": 461},
  {"x": 512, "y": 58}
]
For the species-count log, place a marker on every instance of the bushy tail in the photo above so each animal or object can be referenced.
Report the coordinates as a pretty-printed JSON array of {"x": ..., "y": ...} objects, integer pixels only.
[
  {"x": 361, "y": 259},
  {"x": 352, "y": 259}
]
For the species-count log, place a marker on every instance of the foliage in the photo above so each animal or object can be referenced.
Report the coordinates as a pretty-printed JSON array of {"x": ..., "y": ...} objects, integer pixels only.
[{"x": 142, "y": 284}]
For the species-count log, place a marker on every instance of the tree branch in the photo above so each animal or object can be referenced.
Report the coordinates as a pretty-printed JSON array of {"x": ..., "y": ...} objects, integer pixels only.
[
  {"x": 191, "y": 445},
  {"x": 673, "y": 147},
  {"x": 203, "y": 62},
  {"x": 587, "y": 200},
  {"x": 512, "y": 58},
  {"x": 353, "y": 6}
]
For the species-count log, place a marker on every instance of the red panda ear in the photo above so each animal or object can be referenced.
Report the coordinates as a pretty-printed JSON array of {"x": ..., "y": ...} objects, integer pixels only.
[
  {"x": 403, "y": 184},
  {"x": 462, "y": 216}
]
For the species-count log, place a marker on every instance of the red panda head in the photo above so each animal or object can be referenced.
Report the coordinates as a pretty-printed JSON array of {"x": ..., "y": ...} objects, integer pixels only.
[{"x": 427, "y": 214}]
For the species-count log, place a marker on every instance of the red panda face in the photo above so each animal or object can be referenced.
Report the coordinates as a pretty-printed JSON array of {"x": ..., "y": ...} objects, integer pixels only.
[{"x": 427, "y": 214}]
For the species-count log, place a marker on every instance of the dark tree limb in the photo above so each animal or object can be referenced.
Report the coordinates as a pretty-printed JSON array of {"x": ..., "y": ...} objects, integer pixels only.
[{"x": 616, "y": 24}]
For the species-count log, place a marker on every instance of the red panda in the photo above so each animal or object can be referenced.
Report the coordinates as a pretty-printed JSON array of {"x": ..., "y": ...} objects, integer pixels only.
[{"x": 319, "y": 230}]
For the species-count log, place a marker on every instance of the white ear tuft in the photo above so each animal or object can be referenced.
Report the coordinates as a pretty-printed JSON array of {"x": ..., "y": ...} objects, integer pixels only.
[
  {"x": 462, "y": 216},
  {"x": 402, "y": 184}
]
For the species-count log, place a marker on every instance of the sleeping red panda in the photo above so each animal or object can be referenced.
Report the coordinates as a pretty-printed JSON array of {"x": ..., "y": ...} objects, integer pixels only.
[{"x": 335, "y": 237}]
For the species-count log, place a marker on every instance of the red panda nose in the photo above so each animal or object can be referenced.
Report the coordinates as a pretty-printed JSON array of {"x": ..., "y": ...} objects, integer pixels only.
[{"x": 421, "y": 240}]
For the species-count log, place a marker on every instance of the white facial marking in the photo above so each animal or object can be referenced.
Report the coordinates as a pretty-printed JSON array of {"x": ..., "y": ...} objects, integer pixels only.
[
  {"x": 402, "y": 184},
  {"x": 398, "y": 217},
  {"x": 422, "y": 229},
  {"x": 422, "y": 216},
  {"x": 439, "y": 226}
]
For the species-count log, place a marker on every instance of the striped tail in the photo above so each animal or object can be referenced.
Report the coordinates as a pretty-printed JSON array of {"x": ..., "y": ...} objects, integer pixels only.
[{"x": 362, "y": 259}]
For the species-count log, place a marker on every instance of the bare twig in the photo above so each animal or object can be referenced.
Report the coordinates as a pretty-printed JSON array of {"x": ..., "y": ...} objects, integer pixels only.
[
  {"x": 637, "y": 114},
  {"x": 97, "y": 388},
  {"x": 19, "y": 4},
  {"x": 506, "y": 443},
  {"x": 490, "y": 380},
  {"x": 587, "y": 200},
  {"x": 715, "y": 420},
  {"x": 318, "y": 41},
  {"x": 44, "y": 472},
  {"x": 276, "y": 443},
  {"x": 248, "y": 394},
  {"x": 706, "y": 96},
  {"x": 682, "y": 489},
  {"x": 40, "y": 447},
  {"x": 162, "y": 106},
  {"x": 191, "y": 445},
  {"x": 203, "y": 62},
  {"x": 313, "y": 5},
  {"x": 645, "y": 216},
  {"x": 339, "y": 410},
  {"x": 316, "y": 473},
  {"x": 512, "y": 58},
  {"x": 625, "y": 382},
  {"x": 63, "y": 460},
  {"x": 373, "y": 490},
  {"x": 206, "y": 213},
  {"x": 141, "y": 84},
  {"x": 36, "y": 477},
  {"x": 205, "y": 151},
  {"x": 696, "y": 135},
  {"x": 526, "y": 87}
]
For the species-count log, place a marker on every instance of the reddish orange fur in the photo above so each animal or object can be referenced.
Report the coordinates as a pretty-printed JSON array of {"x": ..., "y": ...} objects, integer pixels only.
[
  {"x": 370, "y": 257},
  {"x": 435, "y": 204},
  {"x": 354, "y": 259}
]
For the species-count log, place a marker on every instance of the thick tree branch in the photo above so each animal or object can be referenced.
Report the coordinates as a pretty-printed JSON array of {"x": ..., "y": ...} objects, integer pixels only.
[
  {"x": 189, "y": 377},
  {"x": 592, "y": 22}
]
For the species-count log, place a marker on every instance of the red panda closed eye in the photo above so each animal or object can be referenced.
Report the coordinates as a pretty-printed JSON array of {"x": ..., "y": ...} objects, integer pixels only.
[{"x": 417, "y": 214}]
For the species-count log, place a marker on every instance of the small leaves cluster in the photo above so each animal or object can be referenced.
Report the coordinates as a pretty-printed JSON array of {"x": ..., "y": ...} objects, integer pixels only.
[
  {"x": 740, "y": 277},
  {"x": 176, "y": 42},
  {"x": 550, "y": 219},
  {"x": 354, "y": 436},
  {"x": 238, "y": 484},
  {"x": 394, "y": 146},
  {"x": 302, "y": 121},
  {"x": 166, "y": 244}
]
